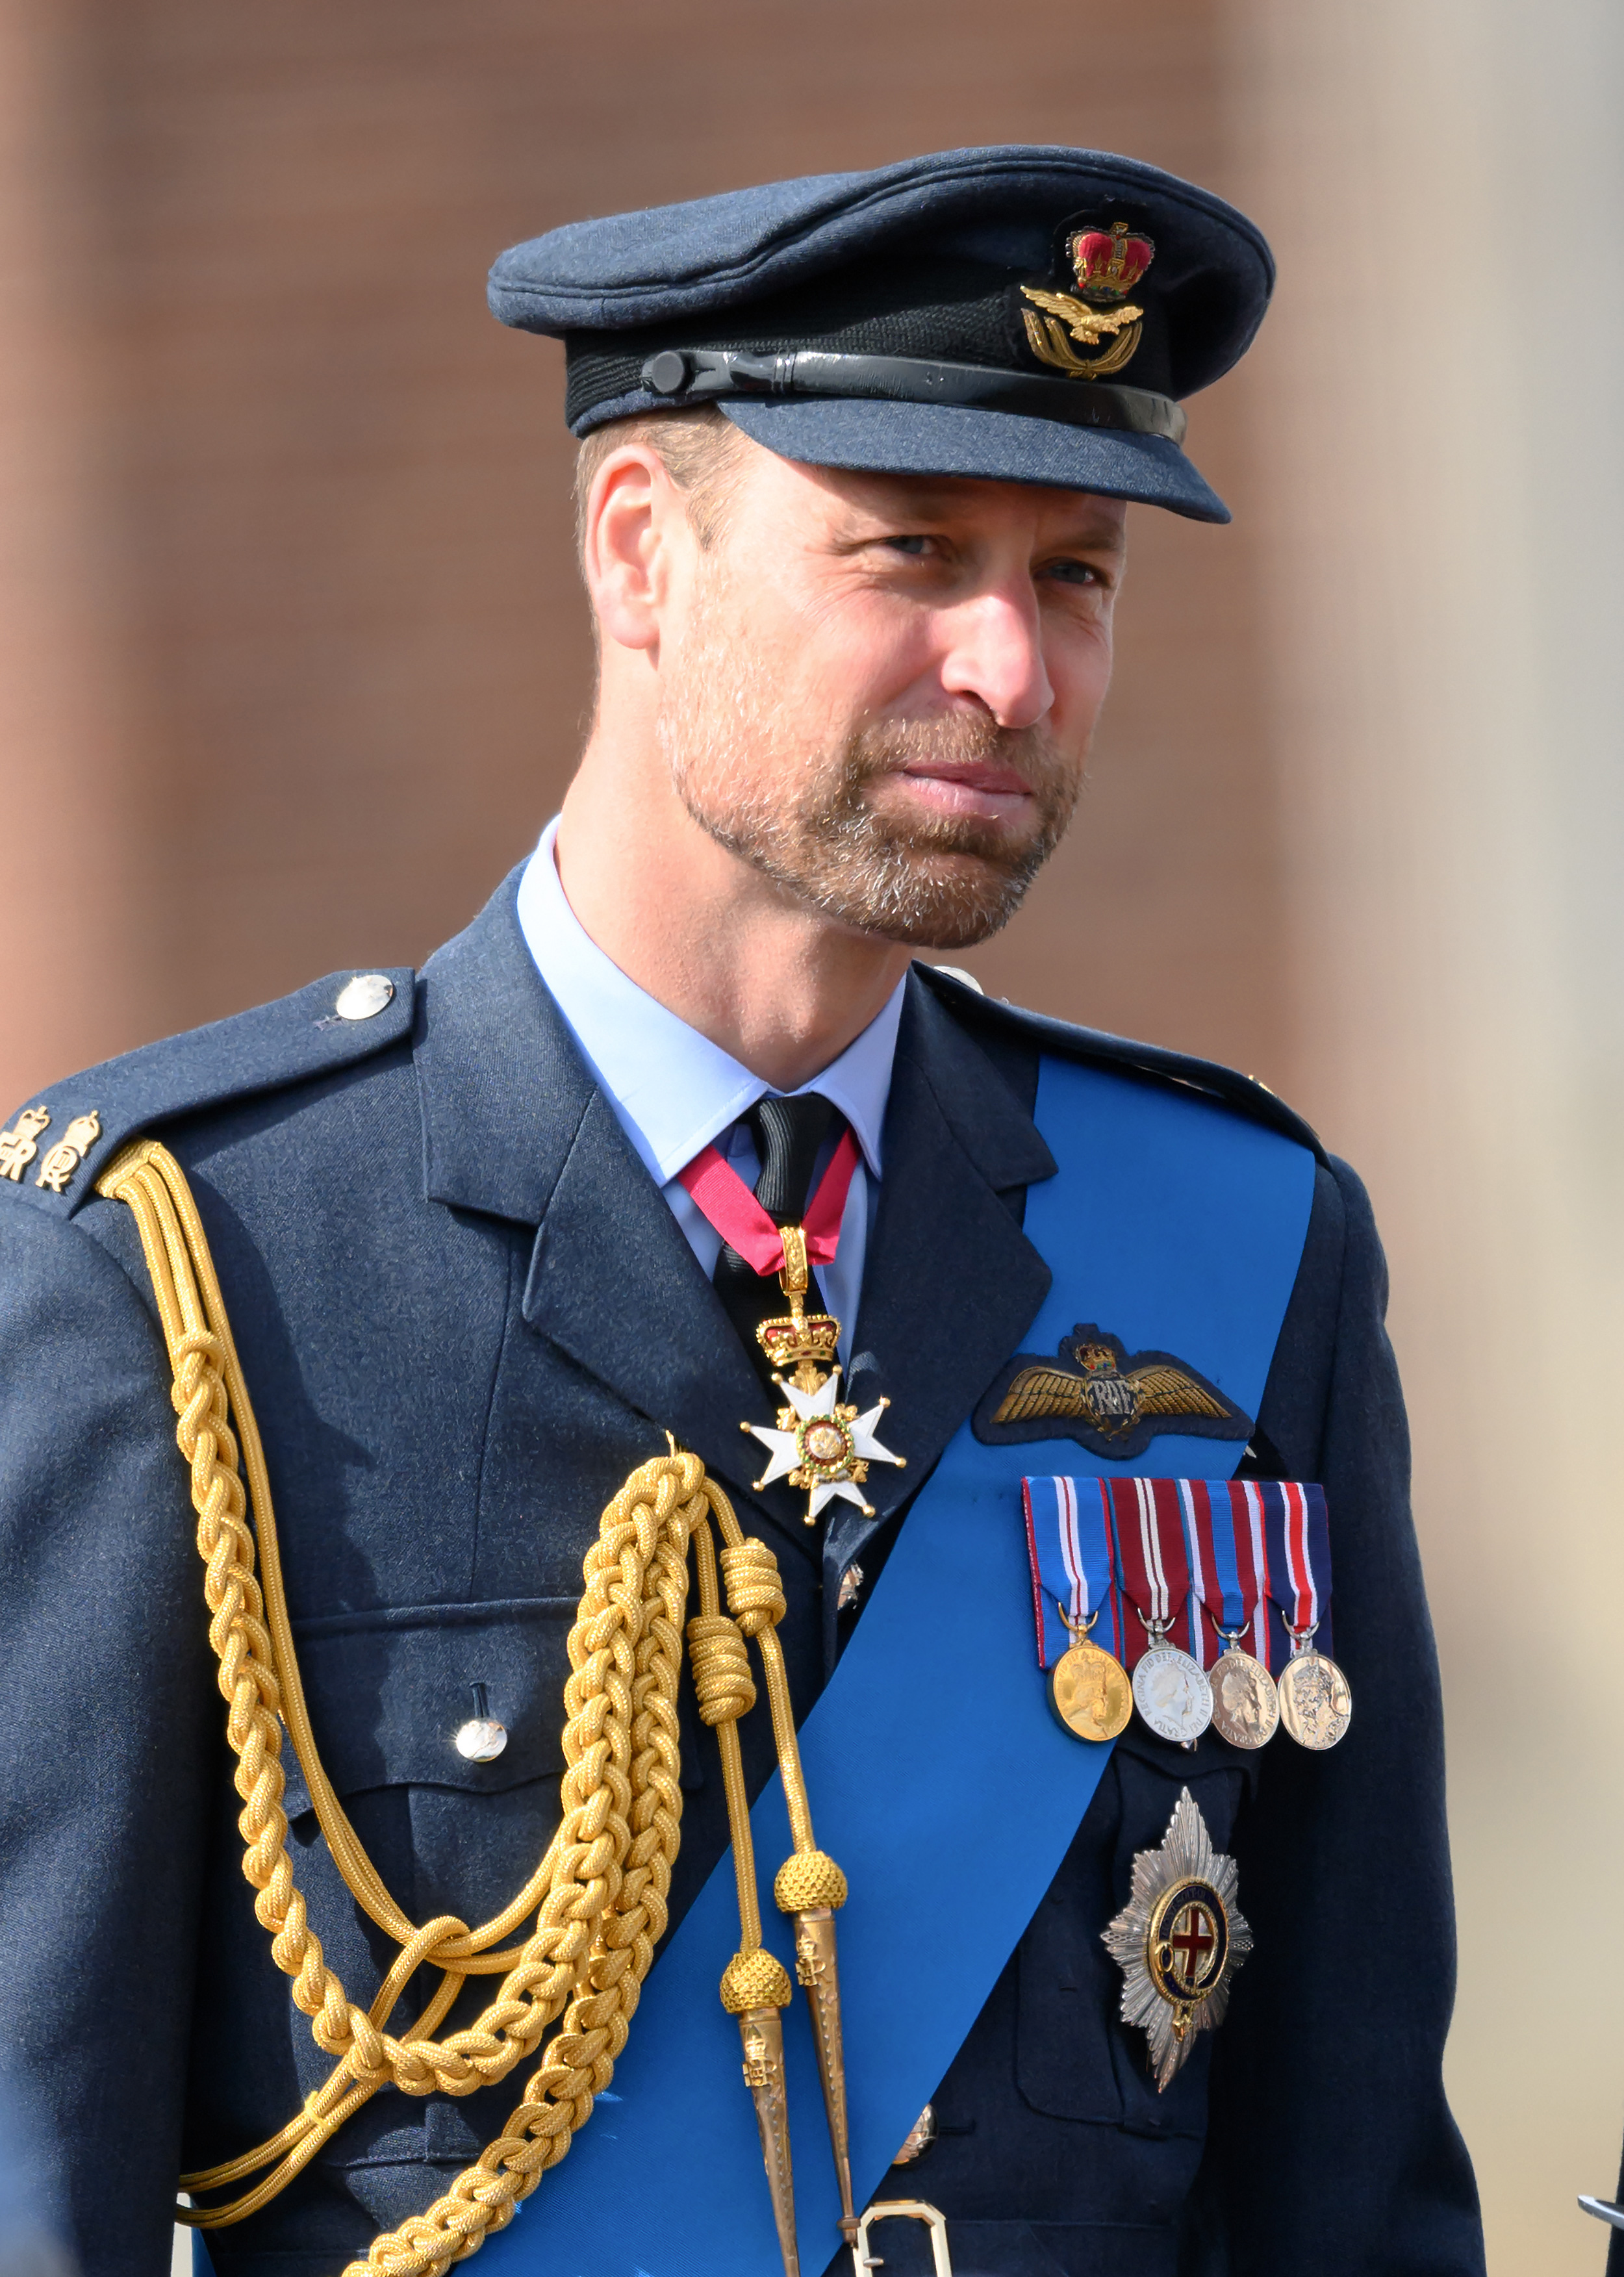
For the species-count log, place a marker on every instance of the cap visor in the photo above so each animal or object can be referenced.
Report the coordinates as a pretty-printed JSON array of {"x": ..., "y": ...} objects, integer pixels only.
[{"x": 999, "y": 446}]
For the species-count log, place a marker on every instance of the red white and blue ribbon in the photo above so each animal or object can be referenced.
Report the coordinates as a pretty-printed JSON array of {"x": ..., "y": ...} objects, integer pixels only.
[
  {"x": 1068, "y": 1547},
  {"x": 1229, "y": 1562},
  {"x": 1198, "y": 1555},
  {"x": 1298, "y": 1536}
]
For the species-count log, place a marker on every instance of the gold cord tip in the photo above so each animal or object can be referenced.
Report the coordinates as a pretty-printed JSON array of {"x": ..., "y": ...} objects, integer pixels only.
[
  {"x": 755, "y": 1980},
  {"x": 809, "y": 1877}
]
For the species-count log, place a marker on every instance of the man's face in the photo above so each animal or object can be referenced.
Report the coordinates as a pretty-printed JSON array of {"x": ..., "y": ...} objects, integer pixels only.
[{"x": 879, "y": 691}]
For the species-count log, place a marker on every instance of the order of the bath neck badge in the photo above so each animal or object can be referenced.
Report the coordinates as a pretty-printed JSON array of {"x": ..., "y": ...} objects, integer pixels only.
[{"x": 820, "y": 1443}]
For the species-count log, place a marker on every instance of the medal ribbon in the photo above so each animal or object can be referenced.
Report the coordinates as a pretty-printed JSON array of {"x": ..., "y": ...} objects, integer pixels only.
[
  {"x": 727, "y": 1201},
  {"x": 1069, "y": 1546},
  {"x": 1214, "y": 1583},
  {"x": 1299, "y": 1538},
  {"x": 1251, "y": 1539},
  {"x": 1299, "y": 1558},
  {"x": 1153, "y": 1558},
  {"x": 1229, "y": 1565}
]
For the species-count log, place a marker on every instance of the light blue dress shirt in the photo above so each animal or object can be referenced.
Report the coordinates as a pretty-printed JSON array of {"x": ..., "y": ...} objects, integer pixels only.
[{"x": 676, "y": 1092}]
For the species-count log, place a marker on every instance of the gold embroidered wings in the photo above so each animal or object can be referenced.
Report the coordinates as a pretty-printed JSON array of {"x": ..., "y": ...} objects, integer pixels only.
[
  {"x": 1087, "y": 324},
  {"x": 1165, "y": 1391},
  {"x": 1157, "y": 1389}
]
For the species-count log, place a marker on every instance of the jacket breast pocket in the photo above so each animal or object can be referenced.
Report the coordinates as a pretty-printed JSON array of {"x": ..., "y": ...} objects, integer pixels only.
[
  {"x": 1075, "y": 2058},
  {"x": 388, "y": 1692}
]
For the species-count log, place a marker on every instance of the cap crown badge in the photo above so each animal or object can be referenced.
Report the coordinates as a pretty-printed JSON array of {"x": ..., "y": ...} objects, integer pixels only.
[{"x": 1107, "y": 264}]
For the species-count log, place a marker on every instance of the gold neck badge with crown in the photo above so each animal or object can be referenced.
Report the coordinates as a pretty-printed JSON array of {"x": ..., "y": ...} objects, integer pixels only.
[{"x": 819, "y": 1445}]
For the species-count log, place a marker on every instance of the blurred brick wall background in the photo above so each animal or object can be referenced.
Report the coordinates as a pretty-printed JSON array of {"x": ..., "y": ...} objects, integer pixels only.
[
  {"x": 311, "y": 569},
  {"x": 293, "y": 666}
]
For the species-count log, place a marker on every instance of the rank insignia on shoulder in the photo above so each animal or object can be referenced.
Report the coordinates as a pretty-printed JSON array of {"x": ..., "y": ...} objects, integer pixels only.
[
  {"x": 69, "y": 1152},
  {"x": 20, "y": 1144},
  {"x": 1110, "y": 1401}
]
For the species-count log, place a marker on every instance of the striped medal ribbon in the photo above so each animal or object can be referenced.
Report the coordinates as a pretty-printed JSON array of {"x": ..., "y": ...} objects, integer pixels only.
[
  {"x": 1068, "y": 1547},
  {"x": 1171, "y": 1689},
  {"x": 1316, "y": 1705},
  {"x": 1227, "y": 1537}
]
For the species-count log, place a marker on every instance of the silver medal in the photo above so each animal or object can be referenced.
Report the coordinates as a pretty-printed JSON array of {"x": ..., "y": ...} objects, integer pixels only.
[{"x": 1171, "y": 1693}]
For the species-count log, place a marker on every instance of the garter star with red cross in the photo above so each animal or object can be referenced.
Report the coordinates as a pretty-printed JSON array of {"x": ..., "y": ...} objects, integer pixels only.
[{"x": 1179, "y": 1940}]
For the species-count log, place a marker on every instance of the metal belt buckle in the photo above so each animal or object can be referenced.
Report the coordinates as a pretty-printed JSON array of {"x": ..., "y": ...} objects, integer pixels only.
[{"x": 918, "y": 2211}]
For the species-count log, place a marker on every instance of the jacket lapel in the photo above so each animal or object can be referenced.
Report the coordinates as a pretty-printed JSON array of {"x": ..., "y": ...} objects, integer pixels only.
[
  {"x": 514, "y": 1126},
  {"x": 950, "y": 1282},
  {"x": 613, "y": 1284}
]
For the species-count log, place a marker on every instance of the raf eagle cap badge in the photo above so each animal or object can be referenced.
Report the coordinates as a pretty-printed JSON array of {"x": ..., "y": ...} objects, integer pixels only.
[
  {"x": 1109, "y": 1401},
  {"x": 1107, "y": 264}
]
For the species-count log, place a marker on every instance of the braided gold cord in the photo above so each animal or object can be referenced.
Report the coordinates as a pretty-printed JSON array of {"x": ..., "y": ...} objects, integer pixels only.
[{"x": 599, "y": 1895}]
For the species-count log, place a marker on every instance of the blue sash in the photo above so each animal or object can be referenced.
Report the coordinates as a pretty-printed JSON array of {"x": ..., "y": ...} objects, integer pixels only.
[{"x": 1180, "y": 1227}]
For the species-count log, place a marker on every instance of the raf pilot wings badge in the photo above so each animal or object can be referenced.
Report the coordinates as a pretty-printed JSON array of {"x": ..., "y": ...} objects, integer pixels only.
[{"x": 1109, "y": 1401}]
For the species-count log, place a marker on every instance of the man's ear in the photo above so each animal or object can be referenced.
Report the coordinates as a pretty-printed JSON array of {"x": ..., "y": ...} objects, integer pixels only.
[{"x": 634, "y": 533}]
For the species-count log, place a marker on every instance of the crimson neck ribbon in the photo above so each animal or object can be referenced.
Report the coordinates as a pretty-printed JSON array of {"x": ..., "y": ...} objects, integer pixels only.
[{"x": 725, "y": 1199}]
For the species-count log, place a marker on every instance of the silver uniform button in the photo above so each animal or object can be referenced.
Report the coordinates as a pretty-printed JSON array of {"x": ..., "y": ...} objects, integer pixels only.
[
  {"x": 363, "y": 997},
  {"x": 482, "y": 1739}
]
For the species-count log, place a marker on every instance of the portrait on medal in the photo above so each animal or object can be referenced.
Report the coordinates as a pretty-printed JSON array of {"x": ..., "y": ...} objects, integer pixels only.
[
  {"x": 1240, "y": 1695},
  {"x": 1091, "y": 1692},
  {"x": 1170, "y": 1689}
]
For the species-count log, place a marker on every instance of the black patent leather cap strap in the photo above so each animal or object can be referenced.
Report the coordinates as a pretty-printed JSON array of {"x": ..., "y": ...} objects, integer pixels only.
[{"x": 709, "y": 374}]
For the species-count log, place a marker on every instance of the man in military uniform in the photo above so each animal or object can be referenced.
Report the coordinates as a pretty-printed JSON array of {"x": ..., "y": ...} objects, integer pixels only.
[{"x": 856, "y": 458}]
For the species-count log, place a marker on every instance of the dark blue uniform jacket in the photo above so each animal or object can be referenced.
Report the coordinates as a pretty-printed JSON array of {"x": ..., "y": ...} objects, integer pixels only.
[{"x": 465, "y": 1313}]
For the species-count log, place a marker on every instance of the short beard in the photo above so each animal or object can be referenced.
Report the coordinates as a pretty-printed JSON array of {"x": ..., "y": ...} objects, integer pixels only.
[{"x": 802, "y": 817}]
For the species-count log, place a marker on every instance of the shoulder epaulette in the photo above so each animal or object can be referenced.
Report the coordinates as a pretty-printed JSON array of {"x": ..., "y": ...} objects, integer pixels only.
[
  {"x": 1208, "y": 1079},
  {"x": 53, "y": 1147}
]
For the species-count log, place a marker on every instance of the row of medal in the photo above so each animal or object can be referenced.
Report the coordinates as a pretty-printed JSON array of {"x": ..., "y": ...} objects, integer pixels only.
[{"x": 1197, "y": 1601}]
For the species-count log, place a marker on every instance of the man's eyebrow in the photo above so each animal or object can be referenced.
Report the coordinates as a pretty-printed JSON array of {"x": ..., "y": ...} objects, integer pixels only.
[{"x": 1105, "y": 531}]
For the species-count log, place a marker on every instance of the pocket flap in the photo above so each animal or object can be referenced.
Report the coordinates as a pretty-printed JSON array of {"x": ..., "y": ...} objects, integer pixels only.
[{"x": 389, "y": 1690}]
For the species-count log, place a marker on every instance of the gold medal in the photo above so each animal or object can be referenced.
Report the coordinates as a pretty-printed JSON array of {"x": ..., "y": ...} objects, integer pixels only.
[
  {"x": 1088, "y": 1688},
  {"x": 1246, "y": 1703},
  {"x": 1315, "y": 1704}
]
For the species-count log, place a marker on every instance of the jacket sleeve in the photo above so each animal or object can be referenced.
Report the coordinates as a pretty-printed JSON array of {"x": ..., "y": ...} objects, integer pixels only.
[
  {"x": 109, "y": 1723},
  {"x": 1330, "y": 2142}
]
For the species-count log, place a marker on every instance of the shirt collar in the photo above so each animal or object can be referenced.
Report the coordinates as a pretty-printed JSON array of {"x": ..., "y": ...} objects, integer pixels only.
[{"x": 674, "y": 1090}]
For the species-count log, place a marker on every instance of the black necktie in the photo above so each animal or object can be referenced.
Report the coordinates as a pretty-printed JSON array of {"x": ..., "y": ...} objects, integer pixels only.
[{"x": 789, "y": 1133}]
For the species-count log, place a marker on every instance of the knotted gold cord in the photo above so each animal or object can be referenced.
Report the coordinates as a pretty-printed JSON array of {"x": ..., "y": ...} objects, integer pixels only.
[{"x": 599, "y": 1894}]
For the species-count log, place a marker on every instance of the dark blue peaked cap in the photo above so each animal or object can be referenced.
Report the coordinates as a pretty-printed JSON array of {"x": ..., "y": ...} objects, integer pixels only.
[{"x": 1024, "y": 315}]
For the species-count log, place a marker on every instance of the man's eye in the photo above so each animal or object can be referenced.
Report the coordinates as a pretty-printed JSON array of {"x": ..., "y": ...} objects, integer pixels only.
[
  {"x": 1073, "y": 573},
  {"x": 914, "y": 547}
]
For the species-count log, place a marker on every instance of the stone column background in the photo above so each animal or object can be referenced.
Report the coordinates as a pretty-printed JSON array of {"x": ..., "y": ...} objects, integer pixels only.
[{"x": 292, "y": 666}]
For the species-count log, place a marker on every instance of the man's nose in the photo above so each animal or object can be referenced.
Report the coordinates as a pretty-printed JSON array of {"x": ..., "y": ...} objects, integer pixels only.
[{"x": 994, "y": 652}]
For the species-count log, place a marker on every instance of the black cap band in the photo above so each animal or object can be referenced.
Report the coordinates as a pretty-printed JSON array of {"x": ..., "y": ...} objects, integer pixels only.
[{"x": 707, "y": 375}]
